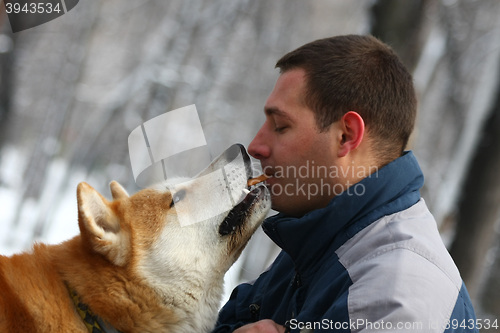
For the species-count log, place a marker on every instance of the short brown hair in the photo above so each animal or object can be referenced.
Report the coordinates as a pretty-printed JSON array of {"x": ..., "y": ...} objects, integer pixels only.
[{"x": 362, "y": 74}]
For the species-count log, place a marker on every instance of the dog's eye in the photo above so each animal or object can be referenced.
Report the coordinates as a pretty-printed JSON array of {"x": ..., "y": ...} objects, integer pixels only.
[{"x": 178, "y": 196}]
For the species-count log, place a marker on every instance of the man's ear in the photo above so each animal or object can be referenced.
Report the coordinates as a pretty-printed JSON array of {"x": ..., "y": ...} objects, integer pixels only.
[
  {"x": 100, "y": 226},
  {"x": 353, "y": 130}
]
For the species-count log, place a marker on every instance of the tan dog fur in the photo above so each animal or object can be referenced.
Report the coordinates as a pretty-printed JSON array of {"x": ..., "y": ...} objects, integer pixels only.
[{"x": 125, "y": 266}]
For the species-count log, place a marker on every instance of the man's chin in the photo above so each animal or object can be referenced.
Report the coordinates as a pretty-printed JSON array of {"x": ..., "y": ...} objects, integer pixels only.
[{"x": 285, "y": 206}]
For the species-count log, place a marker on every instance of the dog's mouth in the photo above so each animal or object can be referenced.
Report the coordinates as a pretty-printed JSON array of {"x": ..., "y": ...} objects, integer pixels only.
[
  {"x": 237, "y": 216},
  {"x": 235, "y": 166}
]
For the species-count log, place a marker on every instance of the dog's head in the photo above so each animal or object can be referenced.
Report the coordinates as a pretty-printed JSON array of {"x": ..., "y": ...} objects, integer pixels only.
[{"x": 154, "y": 233}]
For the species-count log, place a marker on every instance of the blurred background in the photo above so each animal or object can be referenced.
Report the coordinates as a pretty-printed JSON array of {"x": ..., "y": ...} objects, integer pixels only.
[{"x": 72, "y": 90}]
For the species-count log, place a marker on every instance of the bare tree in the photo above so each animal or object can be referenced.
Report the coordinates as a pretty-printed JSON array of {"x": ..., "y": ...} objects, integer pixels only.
[
  {"x": 479, "y": 210},
  {"x": 6, "y": 66},
  {"x": 454, "y": 48},
  {"x": 403, "y": 25}
]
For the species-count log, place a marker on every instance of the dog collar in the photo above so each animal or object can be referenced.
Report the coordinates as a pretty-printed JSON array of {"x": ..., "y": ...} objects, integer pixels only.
[{"x": 93, "y": 322}]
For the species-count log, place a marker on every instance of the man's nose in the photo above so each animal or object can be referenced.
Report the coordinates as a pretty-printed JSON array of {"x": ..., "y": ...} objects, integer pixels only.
[{"x": 259, "y": 147}]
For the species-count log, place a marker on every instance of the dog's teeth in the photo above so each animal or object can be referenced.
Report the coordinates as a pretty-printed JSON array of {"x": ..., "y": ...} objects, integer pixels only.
[{"x": 245, "y": 191}]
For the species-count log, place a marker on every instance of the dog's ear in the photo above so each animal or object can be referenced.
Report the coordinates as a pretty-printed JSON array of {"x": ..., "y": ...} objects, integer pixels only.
[
  {"x": 117, "y": 191},
  {"x": 100, "y": 226}
]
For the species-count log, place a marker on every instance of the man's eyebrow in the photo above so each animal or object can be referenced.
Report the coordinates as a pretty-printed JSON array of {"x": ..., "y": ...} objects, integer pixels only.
[{"x": 276, "y": 111}]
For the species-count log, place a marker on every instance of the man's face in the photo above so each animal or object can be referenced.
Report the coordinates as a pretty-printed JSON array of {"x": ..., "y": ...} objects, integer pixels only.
[{"x": 291, "y": 148}]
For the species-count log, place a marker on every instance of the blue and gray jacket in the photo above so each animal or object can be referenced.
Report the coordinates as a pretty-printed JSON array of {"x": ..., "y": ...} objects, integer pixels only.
[{"x": 371, "y": 261}]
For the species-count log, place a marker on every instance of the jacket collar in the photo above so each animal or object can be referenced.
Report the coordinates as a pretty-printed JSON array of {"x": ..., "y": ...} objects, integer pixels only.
[{"x": 392, "y": 188}]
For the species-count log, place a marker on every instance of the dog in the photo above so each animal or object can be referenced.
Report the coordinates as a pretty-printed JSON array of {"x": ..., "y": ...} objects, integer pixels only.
[{"x": 134, "y": 267}]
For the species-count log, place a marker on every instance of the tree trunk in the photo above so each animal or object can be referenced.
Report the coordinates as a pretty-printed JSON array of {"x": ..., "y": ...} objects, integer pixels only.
[
  {"x": 489, "y": 304},
  {"x": 402, "y": 25},
  {"x": 6, "y": 82},
  {"x": 478, "y": 208}
]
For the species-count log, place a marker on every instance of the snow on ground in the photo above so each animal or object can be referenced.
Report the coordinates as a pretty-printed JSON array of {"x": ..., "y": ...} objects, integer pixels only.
[{"x": 54, "y": 216}]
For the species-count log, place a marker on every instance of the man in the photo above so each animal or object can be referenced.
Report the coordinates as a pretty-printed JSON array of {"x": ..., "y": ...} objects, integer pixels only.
[{"x": 361, "y": 252}]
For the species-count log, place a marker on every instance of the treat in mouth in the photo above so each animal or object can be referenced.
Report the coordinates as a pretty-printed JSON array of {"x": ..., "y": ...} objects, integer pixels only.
[{"x": 256, "y": 180}]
